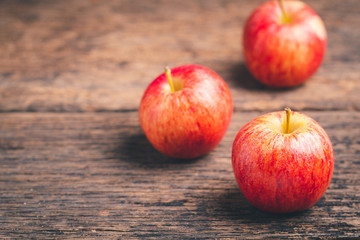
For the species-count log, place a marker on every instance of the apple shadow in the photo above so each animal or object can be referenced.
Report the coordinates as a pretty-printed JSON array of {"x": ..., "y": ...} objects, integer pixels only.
[
  {"x": 138, "y": 151},
  {"x": 239, "y": 76},
  {"x": 231, "y": 204}
]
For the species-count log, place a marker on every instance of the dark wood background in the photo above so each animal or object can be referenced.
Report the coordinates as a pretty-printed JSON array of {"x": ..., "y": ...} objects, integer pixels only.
[{"x": 74, "y": 162}]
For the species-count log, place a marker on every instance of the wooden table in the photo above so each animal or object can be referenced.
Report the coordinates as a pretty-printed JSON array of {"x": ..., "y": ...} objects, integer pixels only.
[{"x": 74, "y": 162}]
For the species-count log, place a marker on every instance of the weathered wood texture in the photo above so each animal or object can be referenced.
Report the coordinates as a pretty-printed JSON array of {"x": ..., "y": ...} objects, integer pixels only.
[
  {"x": 100, "y": 55},
  {"x": 95, "y": 175}
]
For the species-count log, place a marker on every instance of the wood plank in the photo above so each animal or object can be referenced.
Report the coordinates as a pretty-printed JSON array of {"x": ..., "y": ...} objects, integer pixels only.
[
  {"x": 95, "y": 175},
  {"x": 101, "y": 55}
]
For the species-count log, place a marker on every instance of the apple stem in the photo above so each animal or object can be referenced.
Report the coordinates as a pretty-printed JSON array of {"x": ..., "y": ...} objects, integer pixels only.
[
  {"x": 169, "y": 78},
  {"x": 285, "y": 14},
  {"x": 288, "y": 113}
]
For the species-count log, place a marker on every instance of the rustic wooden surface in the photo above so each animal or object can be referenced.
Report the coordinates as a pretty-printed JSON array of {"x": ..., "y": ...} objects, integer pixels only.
[{"x": 74, "y": 162}]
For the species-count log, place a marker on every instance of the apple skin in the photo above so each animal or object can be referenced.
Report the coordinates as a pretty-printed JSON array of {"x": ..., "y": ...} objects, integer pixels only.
[
  {"x": 284, "y": 54},
  {"x": 192, "y": 121},
  {"x": 279, "y": 172}
]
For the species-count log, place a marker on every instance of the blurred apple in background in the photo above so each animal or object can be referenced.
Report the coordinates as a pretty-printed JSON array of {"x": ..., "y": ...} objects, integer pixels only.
[
  {"x": 284, "y": 43},
  {"x": 185, "y": 112},
  {"x": 283, "y": 161}
]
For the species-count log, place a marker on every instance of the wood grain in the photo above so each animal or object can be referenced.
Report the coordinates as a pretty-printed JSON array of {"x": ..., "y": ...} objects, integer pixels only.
[
  {"x": 94, "y": 175},
  {"x": 100, "y": 55}
]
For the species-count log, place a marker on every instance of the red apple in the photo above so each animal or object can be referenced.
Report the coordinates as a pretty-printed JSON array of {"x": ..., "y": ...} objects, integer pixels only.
[
  {"x": 284, "y": 43},
  {"x": 282, "y": 164},
  {"x": 186, "y": 112}
]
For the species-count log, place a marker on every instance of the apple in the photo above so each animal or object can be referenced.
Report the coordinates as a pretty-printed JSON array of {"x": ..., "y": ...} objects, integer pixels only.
[
  {"x": 284, "y": 43},
  {"x": 283, "y": 161},
  {"x": 186, "y": 111}
]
